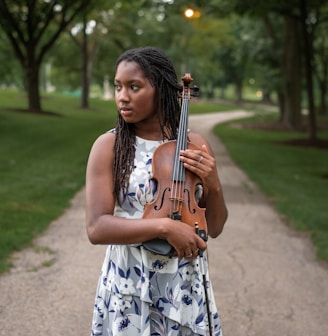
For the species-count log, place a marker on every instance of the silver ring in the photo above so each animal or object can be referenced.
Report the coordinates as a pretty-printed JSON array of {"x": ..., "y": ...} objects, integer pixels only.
[
  {"x": 200, "y": 159},
  {"x": 188, "y": 256}
]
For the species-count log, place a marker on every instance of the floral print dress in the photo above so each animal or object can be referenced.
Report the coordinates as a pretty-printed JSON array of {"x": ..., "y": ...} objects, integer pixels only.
[{"x": 143, "y": 294}]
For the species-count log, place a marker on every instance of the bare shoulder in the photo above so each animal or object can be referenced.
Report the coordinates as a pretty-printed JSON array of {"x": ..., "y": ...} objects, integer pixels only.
[
  {"x": 102, "y": 151},
  {"x": 197, "y": 139},
  {"x": 108, "y": 137},
  {"x": 200, "y": 140},
  {"x": 104, "y": 142}
]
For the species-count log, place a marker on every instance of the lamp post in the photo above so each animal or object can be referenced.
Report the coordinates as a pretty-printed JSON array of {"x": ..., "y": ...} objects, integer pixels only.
[{"x": 190, "y": 13}]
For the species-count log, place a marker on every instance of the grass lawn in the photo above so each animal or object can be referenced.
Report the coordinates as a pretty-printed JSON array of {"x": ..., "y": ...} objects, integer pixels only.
[
  {"x": 42, "y": 163},
  {"x": 295, "y": 178}
]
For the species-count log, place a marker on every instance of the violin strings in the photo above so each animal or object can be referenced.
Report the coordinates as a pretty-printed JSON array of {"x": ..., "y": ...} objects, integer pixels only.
[{"x": 178, "y": 169}]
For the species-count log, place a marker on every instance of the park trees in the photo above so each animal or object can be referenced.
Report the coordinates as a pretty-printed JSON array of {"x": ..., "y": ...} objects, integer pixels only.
[
  {"x": 99, "y": 34},
  {"x": 320, "y": 46},
  {"x": 32, "y": 27},
  {"x": 300, "y": 20},
  {"x": 228, "y": 43}
]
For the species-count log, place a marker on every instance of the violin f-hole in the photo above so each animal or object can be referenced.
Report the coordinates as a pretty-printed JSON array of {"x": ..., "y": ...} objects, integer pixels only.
[{"x": 160, "y": 206}]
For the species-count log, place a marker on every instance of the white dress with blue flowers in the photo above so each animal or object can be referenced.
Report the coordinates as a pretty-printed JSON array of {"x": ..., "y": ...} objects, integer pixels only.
[{"x": 143, "y": 294}]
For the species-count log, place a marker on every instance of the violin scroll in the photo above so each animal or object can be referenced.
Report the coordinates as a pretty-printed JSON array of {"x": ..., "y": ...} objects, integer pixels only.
[{"x": 188, "y": 91}]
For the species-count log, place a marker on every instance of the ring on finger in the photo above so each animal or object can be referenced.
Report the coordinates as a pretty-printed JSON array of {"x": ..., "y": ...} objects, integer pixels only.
[{"x": 200, "y": 159}]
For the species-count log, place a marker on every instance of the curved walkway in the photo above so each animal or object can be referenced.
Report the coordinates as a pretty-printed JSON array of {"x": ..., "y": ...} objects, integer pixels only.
[{"x": 266, "y": 279}]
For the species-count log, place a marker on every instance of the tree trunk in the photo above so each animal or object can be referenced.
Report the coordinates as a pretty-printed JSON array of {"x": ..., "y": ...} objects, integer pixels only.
[
  {"x": 276, "y": 62},
  {"x": 281, "y": 103},
  {"x": 266, "y": 96},
  {"x": 85, "y": 61},
  {"x": 292, "y": 74},
  {"x": 322, "y": 81},
  {"x": 323, "y": 90},
  {"x": 239, "y": 90},
  {"x": 308, "y": 52},
  {"x": 32, "y": 70}
]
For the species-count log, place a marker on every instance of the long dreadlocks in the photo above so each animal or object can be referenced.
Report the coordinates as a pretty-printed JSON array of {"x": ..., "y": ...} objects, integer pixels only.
[{"x": 160, "y": 71}]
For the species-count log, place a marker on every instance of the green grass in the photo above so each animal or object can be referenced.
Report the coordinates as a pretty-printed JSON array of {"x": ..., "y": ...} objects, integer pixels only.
[
  {"x": 42, "y": 163},
  {"x": 201, "y": 107},
  {"x": 295, "y": 178}
]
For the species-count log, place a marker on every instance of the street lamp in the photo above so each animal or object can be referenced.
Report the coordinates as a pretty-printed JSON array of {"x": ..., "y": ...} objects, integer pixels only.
[{"x": 190, "y": 13}]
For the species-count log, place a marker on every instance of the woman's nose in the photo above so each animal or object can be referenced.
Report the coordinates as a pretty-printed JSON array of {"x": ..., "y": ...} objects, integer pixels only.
[{"x": 123, "y": 95}]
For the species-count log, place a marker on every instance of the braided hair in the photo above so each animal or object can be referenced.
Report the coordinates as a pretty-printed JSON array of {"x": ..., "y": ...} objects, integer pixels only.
[{"x": 160, "y": 71}]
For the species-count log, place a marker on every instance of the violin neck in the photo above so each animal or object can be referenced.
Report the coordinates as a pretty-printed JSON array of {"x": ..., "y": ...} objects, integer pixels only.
[{"x": 178, "y": 174}]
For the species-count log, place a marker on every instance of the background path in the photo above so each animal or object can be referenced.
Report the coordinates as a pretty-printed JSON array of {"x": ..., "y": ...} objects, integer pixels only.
[{"x": 265, "y": 276}]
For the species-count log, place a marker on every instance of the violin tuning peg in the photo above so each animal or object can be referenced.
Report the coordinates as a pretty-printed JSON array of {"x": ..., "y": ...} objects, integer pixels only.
[{"x": 195, "y": 91}]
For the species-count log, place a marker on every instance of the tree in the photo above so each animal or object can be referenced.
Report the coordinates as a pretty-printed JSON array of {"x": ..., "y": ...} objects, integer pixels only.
[
  {"x": 100, "y": 33},
  {"x": 321, "y": 65},
  {"x": 88, "y": 54},
  {"x": 87, "y": 36},
  {"x": 10, "y": 70},
  {"x": 301, "y": 17},
  {"x": 33, "y": 27}
]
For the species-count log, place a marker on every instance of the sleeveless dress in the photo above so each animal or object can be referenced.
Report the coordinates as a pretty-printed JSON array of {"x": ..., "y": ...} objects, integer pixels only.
[{"x": 143, "y": 294}]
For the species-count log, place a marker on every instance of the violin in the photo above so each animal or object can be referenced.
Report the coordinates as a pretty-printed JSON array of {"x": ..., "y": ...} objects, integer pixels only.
[{"x": 178, "y": 187}]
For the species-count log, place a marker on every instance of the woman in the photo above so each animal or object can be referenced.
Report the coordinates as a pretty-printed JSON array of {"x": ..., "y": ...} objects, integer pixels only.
[{"x": 139, "y": 292}]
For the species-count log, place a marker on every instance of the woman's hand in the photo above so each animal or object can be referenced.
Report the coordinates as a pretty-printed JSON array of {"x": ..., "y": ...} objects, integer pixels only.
[
  {"x": 201, "y": 163},
  {"x": 184, "y": 239}
]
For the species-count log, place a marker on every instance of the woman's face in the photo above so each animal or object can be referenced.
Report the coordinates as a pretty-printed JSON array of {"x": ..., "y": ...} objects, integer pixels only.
[{"x": 134, "y": 94}]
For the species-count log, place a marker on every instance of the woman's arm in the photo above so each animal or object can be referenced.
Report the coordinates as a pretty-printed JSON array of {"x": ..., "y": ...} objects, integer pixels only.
[{"x": 102, "y": 226}]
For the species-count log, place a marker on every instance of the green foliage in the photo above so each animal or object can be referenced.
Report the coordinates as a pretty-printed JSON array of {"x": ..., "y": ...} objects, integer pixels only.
[
  {"x": 295, "y": 178},
  {"x": 11, "y": 74},
  {"x": 226, "y": 44}
]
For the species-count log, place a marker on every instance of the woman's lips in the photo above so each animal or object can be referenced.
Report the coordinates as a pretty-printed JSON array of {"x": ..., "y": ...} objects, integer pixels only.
[{"x": 126, "y": 112}]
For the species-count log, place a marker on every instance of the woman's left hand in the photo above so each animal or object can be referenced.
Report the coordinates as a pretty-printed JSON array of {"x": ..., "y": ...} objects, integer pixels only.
[{"x": 201, "y": 163}]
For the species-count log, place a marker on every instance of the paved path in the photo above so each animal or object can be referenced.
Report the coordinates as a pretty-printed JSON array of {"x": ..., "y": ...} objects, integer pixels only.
[{"x": 266, "y": 279}]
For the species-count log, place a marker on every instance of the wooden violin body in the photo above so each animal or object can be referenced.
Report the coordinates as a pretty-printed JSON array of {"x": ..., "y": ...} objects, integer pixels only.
[
  {"x": 177, "y": 187},
  {"x": 168, "y": 204}
]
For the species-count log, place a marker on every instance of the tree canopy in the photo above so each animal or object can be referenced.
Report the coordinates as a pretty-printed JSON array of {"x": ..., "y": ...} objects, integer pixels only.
[
  {"x": 278, "y": 48},
  {"x": 32, "y": 28}
]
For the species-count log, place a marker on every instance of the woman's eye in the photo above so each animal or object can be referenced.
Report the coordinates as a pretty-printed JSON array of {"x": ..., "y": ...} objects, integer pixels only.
[
  {"x": 117, "y": 87},
  {"x": 134, "y": 87}
]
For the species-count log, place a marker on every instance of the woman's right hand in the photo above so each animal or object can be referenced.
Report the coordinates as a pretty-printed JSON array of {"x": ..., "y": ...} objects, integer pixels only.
[{"x": 184, "y": 239}]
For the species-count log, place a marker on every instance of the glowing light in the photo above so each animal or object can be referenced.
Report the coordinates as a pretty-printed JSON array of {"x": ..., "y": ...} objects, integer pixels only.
[{"x": 189, "y": 13}]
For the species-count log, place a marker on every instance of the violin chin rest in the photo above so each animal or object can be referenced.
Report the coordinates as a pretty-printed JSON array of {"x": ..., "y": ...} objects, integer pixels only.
[{"x": 159, "y": 246}]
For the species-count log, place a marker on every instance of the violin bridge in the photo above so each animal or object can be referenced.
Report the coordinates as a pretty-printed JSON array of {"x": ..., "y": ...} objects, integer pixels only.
[
  {"x": 175, "y": 199},
  {"x": 176, "y": 213}
]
